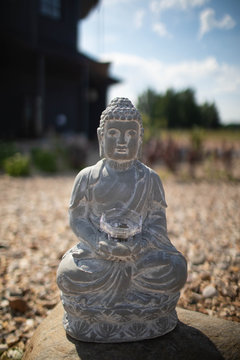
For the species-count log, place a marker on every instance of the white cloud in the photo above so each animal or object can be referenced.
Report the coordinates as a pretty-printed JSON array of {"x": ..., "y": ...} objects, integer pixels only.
[
  {"x": 138, "y": 18},
  {"x": 160, "y": 29},
  {"x": 158, "y": 6},
  {"x": 208, "y": 22},
  {"x": 211, "y": 80}
]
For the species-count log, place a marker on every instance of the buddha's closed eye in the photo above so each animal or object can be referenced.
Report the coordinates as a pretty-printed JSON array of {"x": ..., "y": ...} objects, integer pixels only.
[
  {"x": 113, "y": 132},
  {"x": 131, "y": 133}
]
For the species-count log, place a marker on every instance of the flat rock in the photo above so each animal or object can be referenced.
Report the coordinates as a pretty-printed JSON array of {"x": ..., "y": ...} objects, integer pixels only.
[
  {"x": 197, "y": 336},
  {"x": 209, "y": 291}
]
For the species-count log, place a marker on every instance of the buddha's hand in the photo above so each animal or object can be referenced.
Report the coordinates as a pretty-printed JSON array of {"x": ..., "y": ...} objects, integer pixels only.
[
  {"x": 138, "y": 243},
  {"x": 113, "y": 249}
]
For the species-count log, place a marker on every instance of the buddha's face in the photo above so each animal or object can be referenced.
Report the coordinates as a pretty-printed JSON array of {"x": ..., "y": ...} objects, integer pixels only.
[{"x": 121, "y": 140}]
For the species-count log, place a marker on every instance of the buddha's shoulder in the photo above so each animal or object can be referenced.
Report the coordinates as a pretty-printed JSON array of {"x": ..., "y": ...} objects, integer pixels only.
[
  {"x": 90, "y": 173},
  {"x": 147, "y": 170},
  {"x": 157, "y": 189}
]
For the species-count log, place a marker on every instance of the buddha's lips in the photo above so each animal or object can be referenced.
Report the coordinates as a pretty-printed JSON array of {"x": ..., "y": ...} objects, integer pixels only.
[{"x": 121, "y": 150}]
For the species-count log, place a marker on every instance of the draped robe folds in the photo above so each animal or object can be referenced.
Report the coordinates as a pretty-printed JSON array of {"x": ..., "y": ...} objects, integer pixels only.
[{"x": 156, "y": 269}]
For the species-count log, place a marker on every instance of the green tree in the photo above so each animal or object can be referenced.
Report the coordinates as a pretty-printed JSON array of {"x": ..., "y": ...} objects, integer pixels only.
[
  {"x": 170, "y": 108},
  {"x": 209, "y": 116},
  {"x": 189, "y": 112},
  {"x": 176, "y": 110},
  {"x": 146, "y": 103},
  {"x": 151, "y": 106}
]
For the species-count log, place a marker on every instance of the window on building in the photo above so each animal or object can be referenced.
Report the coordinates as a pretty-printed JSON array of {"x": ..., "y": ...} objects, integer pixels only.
[{"x": 51, "y": 8}]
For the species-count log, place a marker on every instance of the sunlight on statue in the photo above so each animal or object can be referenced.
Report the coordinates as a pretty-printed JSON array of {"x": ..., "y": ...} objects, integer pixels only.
[{"x": 121, "y": 282}]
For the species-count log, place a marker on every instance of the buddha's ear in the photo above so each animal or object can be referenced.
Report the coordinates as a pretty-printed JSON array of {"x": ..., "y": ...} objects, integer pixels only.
[
  {"x": 100, "y": 142},
  {"x": 139, "y": 154}
]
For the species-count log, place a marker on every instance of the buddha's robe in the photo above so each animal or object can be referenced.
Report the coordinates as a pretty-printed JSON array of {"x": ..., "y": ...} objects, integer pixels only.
[{"x": 153, "y": 266}]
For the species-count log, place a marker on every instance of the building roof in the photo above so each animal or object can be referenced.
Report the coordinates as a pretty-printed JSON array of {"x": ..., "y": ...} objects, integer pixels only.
[
  {"x": 86, "y": 6},
  {"x": 59, "y": 59}
]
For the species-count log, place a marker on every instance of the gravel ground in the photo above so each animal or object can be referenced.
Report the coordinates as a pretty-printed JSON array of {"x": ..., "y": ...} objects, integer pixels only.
[{"x": 203, "y": 223}]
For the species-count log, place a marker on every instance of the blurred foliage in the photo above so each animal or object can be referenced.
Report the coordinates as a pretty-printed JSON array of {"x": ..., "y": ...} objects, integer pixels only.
[
  {"x": 7, "y": 149},
  {"x": 17, "y": 165},
  {"x": 233, "y": 126},
  {"x": 216, "y": 136},
  {"x": 44, "y": 160},
  {"x": 195, "y": 154},
  {"x": 197, "y": 136},
  {"x": 76, "y": 156},
  {"x": 176, "y": 110},
  {"x": 47, "y": 156}
]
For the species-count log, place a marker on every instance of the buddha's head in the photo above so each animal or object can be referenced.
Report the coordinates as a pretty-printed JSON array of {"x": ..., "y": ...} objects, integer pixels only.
[{"x": 120, "y": 132}]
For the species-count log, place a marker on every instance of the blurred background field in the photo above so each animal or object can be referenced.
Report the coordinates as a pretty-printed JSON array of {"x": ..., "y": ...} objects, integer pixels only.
[{"x": 199, "y": 154}]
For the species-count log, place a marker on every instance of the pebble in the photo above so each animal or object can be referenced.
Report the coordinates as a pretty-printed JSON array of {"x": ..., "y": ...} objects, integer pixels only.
[
  {"x": 19, "y": 320},
  {"x": 236, "y": 261},
  {"x": 198, "y": 259},
  {"x": 195, "y": 297},
  {"x": 12, "y": 339},
  {"x": 3, "y": 347},
  {"x": 29, "y": 324},
  {"x": 13, "y": 354},
  {"x": 18, "y": 304},
  {"x": 209, "y": 291},
  {"x": 15, "y": 291},
  {"x": 4, "y": 303},
  {"x": 205, "y": 276},
  {"x": 223, "y": 265},
  {"x": 235, "y": 269}
]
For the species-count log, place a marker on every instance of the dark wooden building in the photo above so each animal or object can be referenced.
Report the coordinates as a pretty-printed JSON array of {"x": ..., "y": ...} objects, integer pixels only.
[{"x": 45, "y": 82}]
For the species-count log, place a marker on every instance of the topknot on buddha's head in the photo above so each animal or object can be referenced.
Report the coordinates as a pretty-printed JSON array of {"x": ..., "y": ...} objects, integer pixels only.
[{"x": 120, "y": 108}]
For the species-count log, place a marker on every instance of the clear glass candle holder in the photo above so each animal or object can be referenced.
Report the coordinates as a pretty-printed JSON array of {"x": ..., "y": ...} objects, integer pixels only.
[{"x": 121, "y": 224}]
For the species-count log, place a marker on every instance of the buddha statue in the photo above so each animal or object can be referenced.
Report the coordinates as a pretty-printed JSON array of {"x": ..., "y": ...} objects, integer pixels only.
[{"x": 121, "y": 282}]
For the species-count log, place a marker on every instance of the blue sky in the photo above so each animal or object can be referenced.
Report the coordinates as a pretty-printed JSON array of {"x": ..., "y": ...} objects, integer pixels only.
[{"x": 163, "y": 44}]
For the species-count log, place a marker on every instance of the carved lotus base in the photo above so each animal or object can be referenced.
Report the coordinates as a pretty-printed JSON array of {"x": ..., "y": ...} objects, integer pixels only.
[
  {"x": 142, "y": 317},
  {"x": 110, "y": 332}
]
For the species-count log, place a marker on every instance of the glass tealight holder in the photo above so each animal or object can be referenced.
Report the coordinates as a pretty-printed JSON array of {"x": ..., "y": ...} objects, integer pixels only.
[{"x": 121, "y": 224}]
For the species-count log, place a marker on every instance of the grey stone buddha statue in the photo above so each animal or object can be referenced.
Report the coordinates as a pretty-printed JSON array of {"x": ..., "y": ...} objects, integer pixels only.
[{"x": 121, "y": 282}]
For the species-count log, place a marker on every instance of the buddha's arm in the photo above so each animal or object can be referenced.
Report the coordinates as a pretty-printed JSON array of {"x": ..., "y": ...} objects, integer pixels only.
[
  {"x": 156, "y": 223},
  {"x": 78, "y": 210},
  {"x": 83, "y": 228},
  {"x": 171, "y": 276}
]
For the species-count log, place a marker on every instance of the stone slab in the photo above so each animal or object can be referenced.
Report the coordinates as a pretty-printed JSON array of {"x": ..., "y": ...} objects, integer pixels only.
[{"x": 196, "y": 336}]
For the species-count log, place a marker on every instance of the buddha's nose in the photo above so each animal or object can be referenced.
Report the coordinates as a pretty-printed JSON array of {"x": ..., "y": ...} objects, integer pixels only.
[{"x": 122, "y": 139}]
